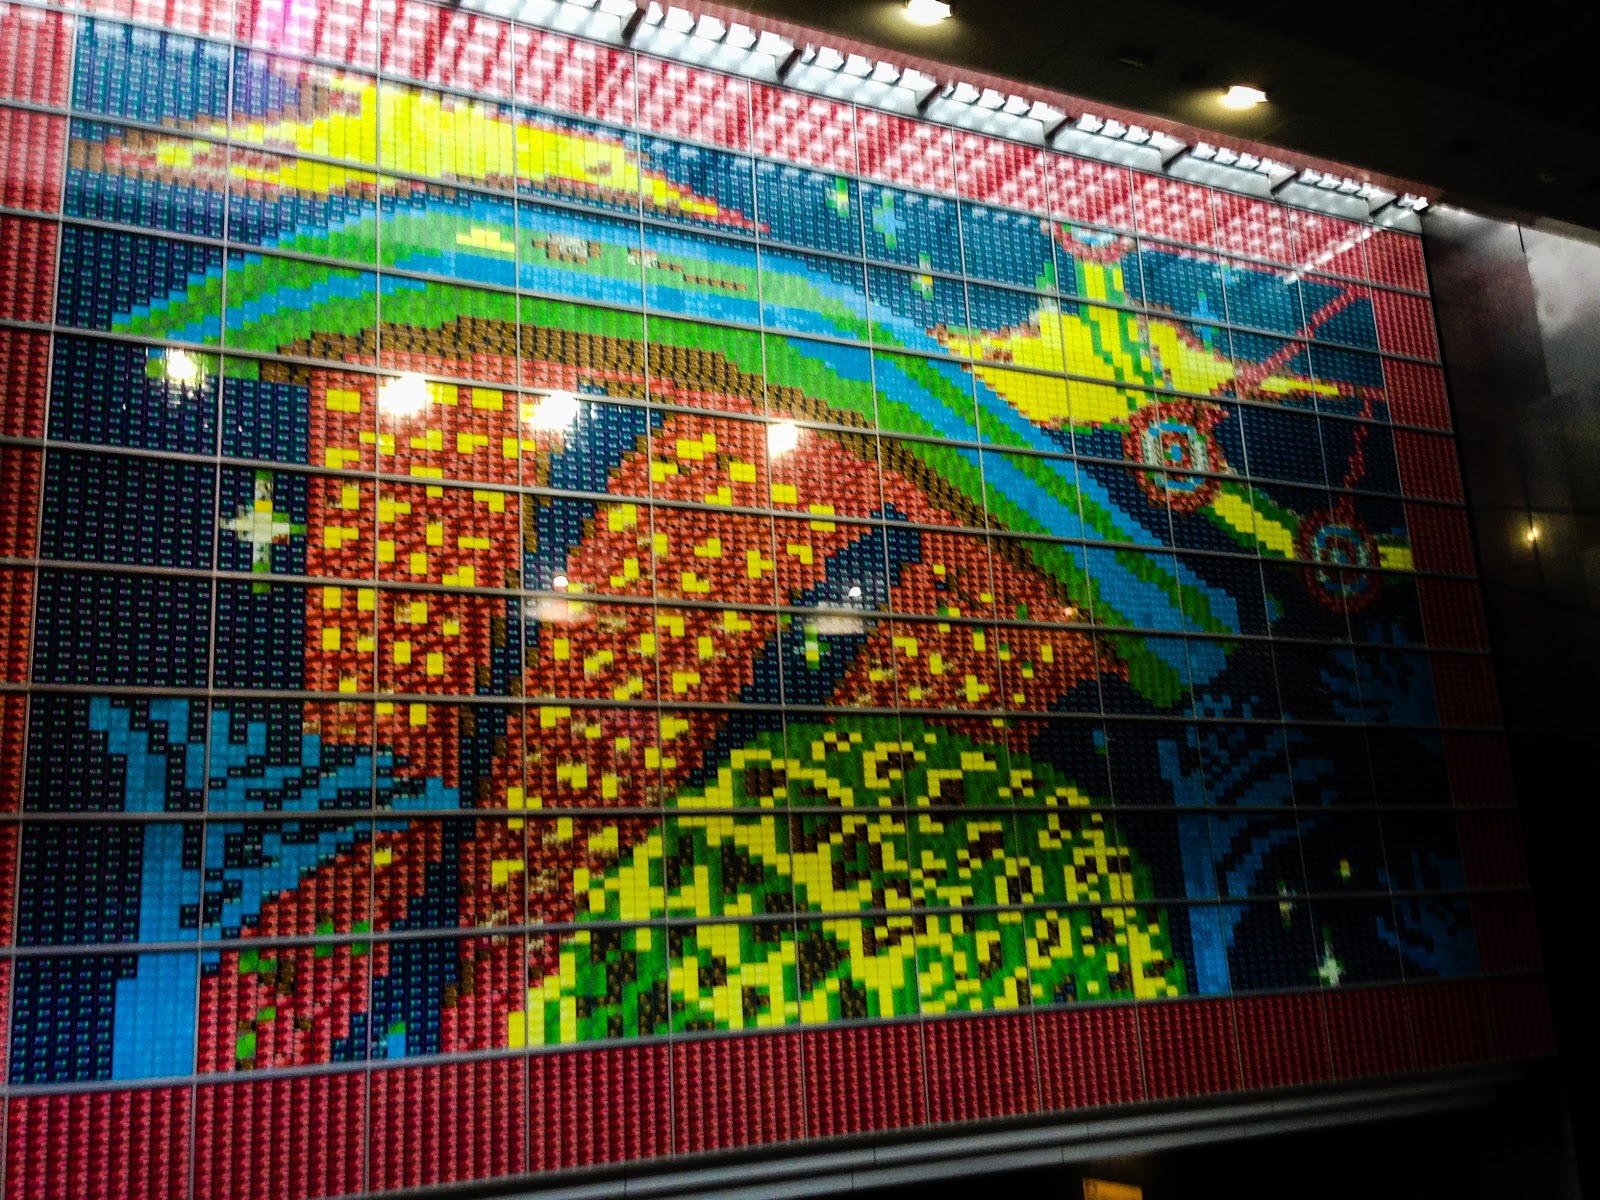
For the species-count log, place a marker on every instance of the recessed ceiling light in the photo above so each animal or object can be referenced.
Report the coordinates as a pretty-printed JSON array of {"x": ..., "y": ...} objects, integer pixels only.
[
  {"x": 927, "y": 12},
  {"x": 1242, "y": 95}
]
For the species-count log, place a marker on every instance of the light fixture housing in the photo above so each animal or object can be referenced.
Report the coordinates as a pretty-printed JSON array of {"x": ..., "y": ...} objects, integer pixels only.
[
  {"x": 927, "y": 12},
  {"x": 1111, "y": 141},
  {"x": 667, "y": 29},
  {"x": 1243, "y": 96}
]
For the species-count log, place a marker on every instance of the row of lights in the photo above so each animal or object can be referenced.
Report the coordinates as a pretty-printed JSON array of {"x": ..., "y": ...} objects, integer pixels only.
[
  {"x": 1133, "y": 143},
  {"x": 732, "y": 46}
]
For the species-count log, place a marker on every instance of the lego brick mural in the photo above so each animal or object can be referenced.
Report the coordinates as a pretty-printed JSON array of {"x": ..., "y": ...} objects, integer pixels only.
[{"x": 564, "y": 608}]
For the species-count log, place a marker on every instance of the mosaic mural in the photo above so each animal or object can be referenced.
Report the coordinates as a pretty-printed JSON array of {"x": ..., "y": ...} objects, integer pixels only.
[{"x": 544, "y": 547}]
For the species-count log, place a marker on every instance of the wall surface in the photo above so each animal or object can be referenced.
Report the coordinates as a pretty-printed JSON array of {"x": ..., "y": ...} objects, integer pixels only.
[
  {"x": 565, "y": 609},
  {"x": 1518, "y": 310}
]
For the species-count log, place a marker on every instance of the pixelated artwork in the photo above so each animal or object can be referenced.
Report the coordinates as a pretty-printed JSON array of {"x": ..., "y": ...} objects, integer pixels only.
[{"x": 564, "y": 608}]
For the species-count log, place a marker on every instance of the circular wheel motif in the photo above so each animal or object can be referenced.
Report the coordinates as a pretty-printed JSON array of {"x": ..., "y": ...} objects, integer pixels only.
[
  {"x": 1343, "y": 558},
  {"x": 1172, "y": 439}
]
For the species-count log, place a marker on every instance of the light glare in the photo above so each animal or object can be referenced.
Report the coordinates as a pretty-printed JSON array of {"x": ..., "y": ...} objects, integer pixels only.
[
  {"x": 782, "y": 438},
  {"x": 182, "y": 367},
  {"x": 555, "y": 413},
  {"x": 403, "y": 396},
  {"x": 1242, "y": 95},
  {"x": 926, "y": 12}
]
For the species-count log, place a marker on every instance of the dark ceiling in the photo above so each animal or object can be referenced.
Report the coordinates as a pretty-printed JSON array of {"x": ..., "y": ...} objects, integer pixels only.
[{"x": 1492, "y": 107}]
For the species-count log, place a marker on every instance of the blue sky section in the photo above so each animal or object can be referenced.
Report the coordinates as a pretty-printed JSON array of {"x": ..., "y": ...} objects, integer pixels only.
[{"x": 277, "y": 222}]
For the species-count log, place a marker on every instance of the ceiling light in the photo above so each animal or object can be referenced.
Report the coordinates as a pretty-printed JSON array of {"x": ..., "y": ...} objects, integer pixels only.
[
  {"x": 1242, "y": 96},
  {"x": 926, "y": 12},
  {"x": 559, "y": 583},
  {"x": 855, "y": 592}
]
